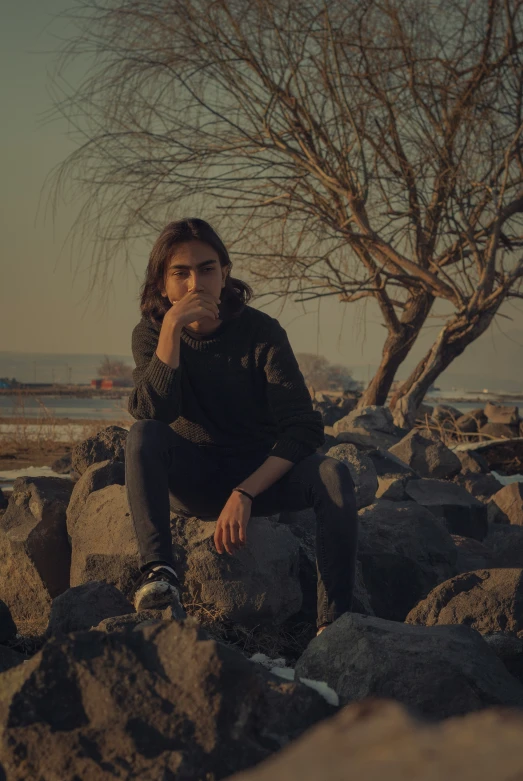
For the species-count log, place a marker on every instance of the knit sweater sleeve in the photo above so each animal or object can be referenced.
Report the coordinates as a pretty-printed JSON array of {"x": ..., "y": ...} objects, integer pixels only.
[
  {"x": 156, "y": 394},
  {"x": 301, "y": 430}
]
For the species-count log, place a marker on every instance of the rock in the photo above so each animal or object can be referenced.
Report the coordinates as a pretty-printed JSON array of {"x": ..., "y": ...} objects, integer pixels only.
[
  {"x": 392, "y": 488},
  {"x": 107, "y": 445},
  {"x": 362, "y": 472},
  {"x": 506, "y": 543},
  {"x": 3, "y": 500},
  {"x": 471, "y": 462},
  {"x": 34, "y": 550},
  {"x": 83, "y": 607},
  {"x": 164, "y": 702},
  {"x": 499, "y": 430},
  {"x": 9, "y": 658},
  {"x": 404, "y": 551},
  {"x": 488, "y": 600},
  {"x": 504, "y": 456},
  {"x": 509, "y": 649},
  {"x": 95, "y": 477},
  {"x": 444, "y": 412},
  {"x": 467, "y": 424},
  {"x": 509, "y": 501},
  {"x": 62, "y": 465},
  {"x": 375, "y": 734},
  {"x": 103, "y": 541},
  {"x": 7, "y": 625},
  {"x": 472, "y": 555},
  {"x": 460, "y": 511},
  {"x": 501, "y": 413},
  {"x": 259, "y": 584},
  {"x": 132, "y": 621},
  {"x": 479, "y": 485},
  {"x": 427, "y": 455},
  {"x": 369, "y": 427},
  {"x": 366, "y": 440},
  {"x": 450, "y": 669}
]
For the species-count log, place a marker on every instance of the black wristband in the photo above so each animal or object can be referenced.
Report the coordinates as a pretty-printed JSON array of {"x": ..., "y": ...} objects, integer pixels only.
[{"x": 245, "y": 493}]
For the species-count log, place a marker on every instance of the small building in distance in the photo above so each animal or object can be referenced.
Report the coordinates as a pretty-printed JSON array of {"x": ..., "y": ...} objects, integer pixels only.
[
  {"x": 101, "y": 383},
  {"x": 105, "y": 383}
]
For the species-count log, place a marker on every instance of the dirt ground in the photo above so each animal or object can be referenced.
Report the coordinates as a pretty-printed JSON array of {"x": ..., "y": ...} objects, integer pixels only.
[{"x": 20, "y": 457}]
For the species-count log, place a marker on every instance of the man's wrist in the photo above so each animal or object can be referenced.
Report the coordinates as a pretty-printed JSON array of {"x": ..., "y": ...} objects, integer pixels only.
[{"x": 244, "y": 492}]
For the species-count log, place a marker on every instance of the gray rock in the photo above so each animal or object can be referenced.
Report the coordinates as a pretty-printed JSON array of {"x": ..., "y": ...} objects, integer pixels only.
[
  {"x": 509, "y": 503},
  {"x": 362, "y": 472},
  {"x": 131, "y": 621},
  {"x": 471, "y": 461},
  {"x": 404, "y": 551},
  {"x": 488, "y": 600},
  {"x": 472, "y": 554},
  {"x": 392, "y": 488},
  {"x": 107, "y": 445},
  {"x": 509, "y": 649},
  {"x": 9, "y": 658},
  {"x": 428, "y": 456},
  {"x": 460, "y": 511},
  {"x": 62, "y": 465},
  {"x": 438, "y": 671},
  {"x": 502, "y": 413},
  {"x": 479, "y": 485},
  {"x": 103, "y": 541},
  {"x": 444, "y": 412},
  {"x": 374, "y": 734},
  {"x": 369, "y": 427},
  {"x": 367, "y": 440},
  {"x": 7, "y": 625},
  {"x": 34, "y": 550},
  {"x": 95, "y": 477},
  {"x": 165, "y": 702},
  {"x": 259, "y": 584},
  {"x": 499, "y": 430},
  {"x": 372, "y": 418},
  {"x": 387, "y": 464},
  {"x": 83, "y": 607},
  {"x": 506, "y": 543}
]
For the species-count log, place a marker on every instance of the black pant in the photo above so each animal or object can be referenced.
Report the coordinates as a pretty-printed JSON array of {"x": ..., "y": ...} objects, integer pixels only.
[{"x": 159, "y": 461}]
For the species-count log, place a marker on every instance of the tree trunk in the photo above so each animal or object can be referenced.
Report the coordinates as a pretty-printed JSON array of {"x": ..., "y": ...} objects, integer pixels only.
[
  {"x": 398, "y": 344},
  {"x": 451, "y": 342}
]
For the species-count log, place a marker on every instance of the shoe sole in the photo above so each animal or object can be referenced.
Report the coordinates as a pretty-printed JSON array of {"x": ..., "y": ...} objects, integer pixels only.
[{"x": 156, "y": 596}]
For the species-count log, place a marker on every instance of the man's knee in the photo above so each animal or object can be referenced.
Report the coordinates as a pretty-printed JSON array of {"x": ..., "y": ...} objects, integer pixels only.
[{"x": 143, "y": 433}]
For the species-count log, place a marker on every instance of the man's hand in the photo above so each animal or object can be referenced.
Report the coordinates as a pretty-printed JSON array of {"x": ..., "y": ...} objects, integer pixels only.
[{"x": 231, "y": 527}]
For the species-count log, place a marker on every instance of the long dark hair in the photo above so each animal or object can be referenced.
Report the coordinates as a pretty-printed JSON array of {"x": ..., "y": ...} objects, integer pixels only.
[{"x": 153, "y": 305}]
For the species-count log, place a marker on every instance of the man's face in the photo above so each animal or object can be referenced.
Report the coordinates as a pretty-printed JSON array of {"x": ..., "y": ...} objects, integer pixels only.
[{"x": 194, "y": 266}]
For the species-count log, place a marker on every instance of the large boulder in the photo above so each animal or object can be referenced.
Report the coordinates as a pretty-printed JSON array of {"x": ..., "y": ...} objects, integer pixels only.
[
  {"x": 472, "y": 554},
  {"x": 259, "y": 583},
  {"x": 103, "y": 541},
  {"x": 482, "y": 486},
  {"x": 499, "y": 430},
  {"x": 35, "y": 553},
  {"x": 377, "y": 739},
  {"x": 393, "y": 475},
  {"x": 106, "y": 445},
  {"x": 368, "y": 428},
  {"x": 489, "y": 600},
  {"x": 506, "y": 544},
  {"x": 460, "y": 511},
  {"x": 509, "y": 649},
  {"x": 509, "y": 504},
  {"x": 504, "y": 456},
  {"x": 501, "y": 413},
  {"x": 438, "y": 671},
  {"x": 471, "y": 461},
  {"x": 362, "y": 472},
  {"x": 404, "y": 551},
  {"x": 83, "y": 607},
  {"x": 427, "y": 455},
  {"x": 7, "y": 625},
  {"x": 164, "y": 702},
  {"x": 445, "y": 414},
  {"x": 95, "y": 477}
]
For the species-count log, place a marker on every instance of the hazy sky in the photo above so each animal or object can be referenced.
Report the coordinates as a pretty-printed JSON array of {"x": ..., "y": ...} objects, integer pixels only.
[{"x": 42, "y": 302}]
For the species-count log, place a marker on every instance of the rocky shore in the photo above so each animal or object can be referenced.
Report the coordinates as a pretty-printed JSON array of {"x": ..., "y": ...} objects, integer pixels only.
[{"x": 423, "y": 679}]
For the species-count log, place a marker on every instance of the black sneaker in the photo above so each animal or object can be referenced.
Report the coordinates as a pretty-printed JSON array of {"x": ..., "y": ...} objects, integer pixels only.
[{"x": 157, "y": 588}]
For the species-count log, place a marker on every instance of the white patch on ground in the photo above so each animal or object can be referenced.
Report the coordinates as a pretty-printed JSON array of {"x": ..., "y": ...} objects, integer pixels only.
[{"x": 277, "y": 668}]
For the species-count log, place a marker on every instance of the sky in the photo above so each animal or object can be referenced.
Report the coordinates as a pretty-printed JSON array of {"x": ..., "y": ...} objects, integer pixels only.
[{"x": 45, "y": 305}]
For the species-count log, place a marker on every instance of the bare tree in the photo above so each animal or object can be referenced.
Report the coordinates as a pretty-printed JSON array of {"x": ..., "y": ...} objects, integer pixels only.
[
  {"x": 321, "y": 374},
  {"x": 364, "y": 149},
  {"x": 116, "y": 370}
]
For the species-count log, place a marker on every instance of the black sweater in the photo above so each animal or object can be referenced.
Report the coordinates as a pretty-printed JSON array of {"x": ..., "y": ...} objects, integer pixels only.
[{"x": 237, "y": 390}]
